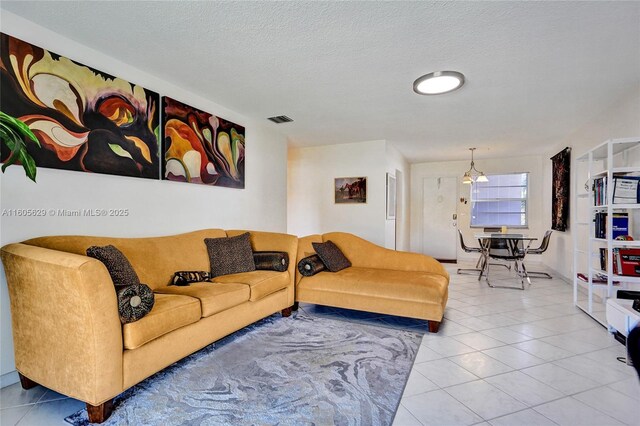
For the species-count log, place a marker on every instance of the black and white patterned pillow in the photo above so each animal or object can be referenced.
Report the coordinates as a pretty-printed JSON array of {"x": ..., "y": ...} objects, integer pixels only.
[
  {"x": 119, "y": 267},
  {"x": 230, "y": 255},
  {"x": 331, "y": 256},
  {"x": 182, "y": 278}
]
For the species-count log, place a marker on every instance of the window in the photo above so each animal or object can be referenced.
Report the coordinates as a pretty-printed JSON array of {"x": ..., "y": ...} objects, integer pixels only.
[{"x": 501, "y": 201}]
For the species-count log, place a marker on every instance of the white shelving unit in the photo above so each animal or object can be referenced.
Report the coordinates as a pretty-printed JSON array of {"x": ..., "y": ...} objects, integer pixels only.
[{"x": 613, "y": 158}]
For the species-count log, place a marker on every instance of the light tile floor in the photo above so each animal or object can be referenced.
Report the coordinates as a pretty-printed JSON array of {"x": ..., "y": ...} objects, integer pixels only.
[{"x": 501, "y": 357}]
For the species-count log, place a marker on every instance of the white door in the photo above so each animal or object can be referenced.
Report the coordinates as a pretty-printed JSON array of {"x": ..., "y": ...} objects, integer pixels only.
[{"x": 439, "y": 217}]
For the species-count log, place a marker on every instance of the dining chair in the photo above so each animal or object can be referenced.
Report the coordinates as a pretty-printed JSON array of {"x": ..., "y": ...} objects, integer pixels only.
[
  {"x": 539, "y": 250},
  {"x": 479, "y": 265},
  {"x": 507, "y": 250}
]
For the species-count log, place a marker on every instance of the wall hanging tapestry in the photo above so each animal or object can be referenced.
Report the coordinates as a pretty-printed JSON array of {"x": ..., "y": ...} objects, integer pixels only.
[
  {"x": 86, "y": 120},
  {"x": 350, "y": 190},
  {"x": 560, "y": 189},
  {"x": 300, "y": 370},
  {"x": 200, "y": 147}
]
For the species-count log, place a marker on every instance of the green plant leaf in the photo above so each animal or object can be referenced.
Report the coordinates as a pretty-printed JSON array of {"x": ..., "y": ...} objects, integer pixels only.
[
  {"x": 29, "y": 164},
  {"x": 20, "y": 127},
  {"x": 18, "y": 147}
]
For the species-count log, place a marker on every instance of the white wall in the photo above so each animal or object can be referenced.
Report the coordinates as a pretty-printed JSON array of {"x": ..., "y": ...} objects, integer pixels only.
[
  {"x": 155, "y": 207},
  {"x": 419, "y": 171},
  {"x": 311, "y": 207},
  {"x": 617, "y": 121}
]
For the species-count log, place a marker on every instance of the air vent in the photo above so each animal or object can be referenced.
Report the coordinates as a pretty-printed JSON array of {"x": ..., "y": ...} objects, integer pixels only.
[{"x": 280, "y": 119}]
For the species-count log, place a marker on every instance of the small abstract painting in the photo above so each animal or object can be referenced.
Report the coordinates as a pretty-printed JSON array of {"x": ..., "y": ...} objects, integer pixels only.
[
  {"x": 560, "y": 189},
  {"x": 350, "y": 190},
  {"x": 85, "y": 120},
  {"x": 200, "y": 147}
]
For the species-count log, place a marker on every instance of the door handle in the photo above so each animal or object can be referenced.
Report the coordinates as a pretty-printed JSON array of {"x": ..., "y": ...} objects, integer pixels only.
[{"x": 455, "y": 216}]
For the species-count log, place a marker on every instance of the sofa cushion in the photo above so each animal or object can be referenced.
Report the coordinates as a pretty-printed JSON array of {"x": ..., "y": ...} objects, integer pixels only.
[
  {"x": 381, "y": 283},
  {"x": 331, "y": 256},
  {"x": 260, "y": 283},
  {"x": 230, "y": 255},
  {"x": 169, "y": 313},
  {"x": 213, "y": 298}
]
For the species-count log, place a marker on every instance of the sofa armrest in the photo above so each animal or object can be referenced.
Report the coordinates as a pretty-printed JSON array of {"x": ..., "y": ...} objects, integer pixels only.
[
  {"x": 274, "y": 241},
  {"x": 67, "y": 335},
  {"x": 365, "y": 254}
]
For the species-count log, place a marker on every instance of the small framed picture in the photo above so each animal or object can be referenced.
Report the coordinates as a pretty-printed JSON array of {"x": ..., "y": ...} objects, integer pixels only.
[
  {"x": 350, "y": 190},
  {"x": 391, "y": 196}
]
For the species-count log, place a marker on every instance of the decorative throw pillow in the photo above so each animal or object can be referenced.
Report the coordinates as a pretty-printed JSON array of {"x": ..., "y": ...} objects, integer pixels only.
[
  {"x": 121, "y": 271},
  {"x": 230, "y": 255},
  {"x": 271, "y": 260},
  {"x": 331, "y": 256},
  {"x": 311, "y": 265},
  {"x": 134, "y": 302},
  {"x": 182, "y": 278}
]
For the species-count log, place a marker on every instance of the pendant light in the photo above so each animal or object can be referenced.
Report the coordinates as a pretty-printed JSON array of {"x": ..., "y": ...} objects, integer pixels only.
[{"x": 473, "y": 175}]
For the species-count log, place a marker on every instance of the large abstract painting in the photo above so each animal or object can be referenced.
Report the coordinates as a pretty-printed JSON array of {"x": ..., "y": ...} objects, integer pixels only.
[
  {"x": 200, "y": 147},
  {"x": 560, "y": 189},
  {"x": 86, "y": 120}
]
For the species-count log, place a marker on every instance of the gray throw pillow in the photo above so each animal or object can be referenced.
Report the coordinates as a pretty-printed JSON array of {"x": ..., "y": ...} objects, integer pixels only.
[
  {"x": 331, "y": 256},
  {"x": 230, "y": 255},
  {"x": 119, "y": 267}
]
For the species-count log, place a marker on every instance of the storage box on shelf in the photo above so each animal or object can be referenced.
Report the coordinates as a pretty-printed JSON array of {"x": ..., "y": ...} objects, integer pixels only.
[{"x": 603, "y": 210}]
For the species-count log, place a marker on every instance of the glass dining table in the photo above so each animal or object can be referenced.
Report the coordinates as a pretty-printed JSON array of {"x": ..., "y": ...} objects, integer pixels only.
[{"x": 505, "y": 247}]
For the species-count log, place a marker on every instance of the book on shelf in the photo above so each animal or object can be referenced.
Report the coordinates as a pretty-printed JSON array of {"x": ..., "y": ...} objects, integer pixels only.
[
  {"x": 619, "y": 220},
  {"x": 626, "y": 261},
  {"x": 626, "y": 190}
]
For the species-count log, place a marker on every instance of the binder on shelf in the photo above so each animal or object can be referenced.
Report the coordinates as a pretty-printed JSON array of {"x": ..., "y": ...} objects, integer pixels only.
[{"x": 625, "y": 190}]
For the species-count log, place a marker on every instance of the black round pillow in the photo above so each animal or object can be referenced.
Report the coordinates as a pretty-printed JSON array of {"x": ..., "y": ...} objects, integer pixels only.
[
  {"x": 134, "y": 302},
  {"x": 311, "y": 265}
]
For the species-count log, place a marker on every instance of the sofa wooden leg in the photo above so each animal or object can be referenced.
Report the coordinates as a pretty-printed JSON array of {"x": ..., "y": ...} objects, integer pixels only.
[
  {"x": 295, "y": 306},
  {"x": 434, "y": 326},
  {"x": 286, "y": 312},
  {"x": 26, "y": 382},
  {"x": 100, "y": 413}
]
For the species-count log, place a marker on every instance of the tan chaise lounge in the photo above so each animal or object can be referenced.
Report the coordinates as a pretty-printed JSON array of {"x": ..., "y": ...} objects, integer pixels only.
[
  {"x": 66, "y": 330},
  {"x": 380, "y": 280}
]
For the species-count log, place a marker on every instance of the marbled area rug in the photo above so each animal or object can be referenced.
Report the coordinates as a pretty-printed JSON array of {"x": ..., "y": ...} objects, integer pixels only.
[{"x": 300, "y": 370}]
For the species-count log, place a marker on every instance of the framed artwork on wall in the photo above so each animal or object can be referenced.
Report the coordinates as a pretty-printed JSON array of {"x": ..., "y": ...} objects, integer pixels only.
[
  {"x": 560, "y": 189},
  {"x": 199, "y": 147},
  {"x": 85, "y": 119},
  {"x": 350, "y": 190},
  {"x": 391, "y": 197}
]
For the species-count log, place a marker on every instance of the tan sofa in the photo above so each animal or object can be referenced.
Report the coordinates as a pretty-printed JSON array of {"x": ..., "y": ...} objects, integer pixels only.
[
  {"x": 380, "y": 280},
  {"x": 66, "y": 330}
]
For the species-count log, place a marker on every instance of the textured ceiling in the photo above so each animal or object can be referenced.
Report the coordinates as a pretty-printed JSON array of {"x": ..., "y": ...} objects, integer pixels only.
[{"x": 344, "y": 70}]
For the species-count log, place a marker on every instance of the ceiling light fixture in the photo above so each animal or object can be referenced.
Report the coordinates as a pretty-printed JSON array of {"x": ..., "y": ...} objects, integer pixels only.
[
  {"x": 439, "y": 82},
  {"x": 473, "y": 175}
]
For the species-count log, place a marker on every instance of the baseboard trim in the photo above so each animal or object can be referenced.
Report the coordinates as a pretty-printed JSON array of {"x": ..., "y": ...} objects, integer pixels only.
[{"x": 9, "y": 378}]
